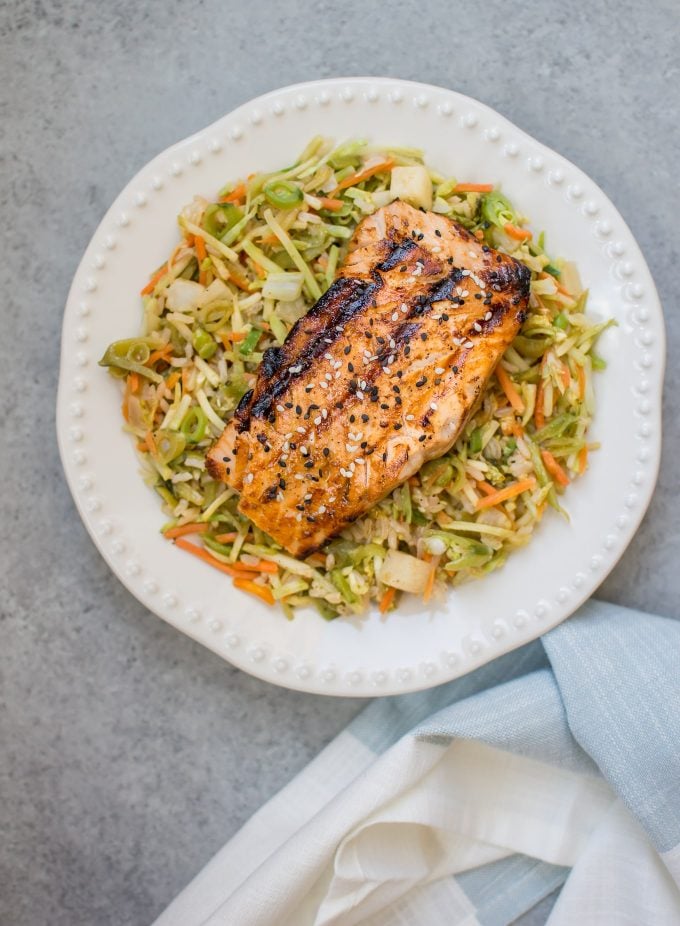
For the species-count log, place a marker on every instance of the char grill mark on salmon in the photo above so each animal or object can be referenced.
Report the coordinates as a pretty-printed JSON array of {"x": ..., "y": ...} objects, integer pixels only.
[{"x": 379, "y": 376}]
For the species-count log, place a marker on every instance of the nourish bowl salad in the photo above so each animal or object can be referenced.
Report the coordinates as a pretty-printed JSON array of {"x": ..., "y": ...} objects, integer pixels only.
[{"x": 358, "y": 378}]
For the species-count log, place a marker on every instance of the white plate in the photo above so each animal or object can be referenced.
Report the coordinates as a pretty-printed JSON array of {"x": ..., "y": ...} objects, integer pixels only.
[{"x": 416, "y": 647}]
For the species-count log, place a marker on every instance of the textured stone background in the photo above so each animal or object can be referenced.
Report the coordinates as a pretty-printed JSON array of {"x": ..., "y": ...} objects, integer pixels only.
[{"x": 129, "y": 754}]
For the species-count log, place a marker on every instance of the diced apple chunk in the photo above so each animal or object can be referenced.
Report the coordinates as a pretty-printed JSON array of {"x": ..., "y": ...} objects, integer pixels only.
[
  {"x": 405, "y": 572},
  {"x": 412, "y": 185}
]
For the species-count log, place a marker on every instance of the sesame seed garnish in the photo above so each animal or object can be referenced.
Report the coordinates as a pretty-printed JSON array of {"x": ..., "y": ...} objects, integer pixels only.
[
  {"x": 248, "y": 478},
  {"x": 477, "y": 327},
  {"x": 395, "y": 316},
  {"x": 323, "y": 384},
  {"x": 421, "y": 438},
  {"x": 295, "y": 369},
  {"x": 328, "y": 376},
  {"x": 318, "y": 419},
  {"x": 439, "y": 370},
  {"x": 326, "y": 452},
  {"x": 434, "y": 406},
  {"x": 410, "y": 417},
  {"x": 488, "y": 316},
  {"x": 404, "y": 308},
  {"x": 421, "y": 382},
  {"x": 280, "y": 408},
  {"x": 347, "y": 349}
]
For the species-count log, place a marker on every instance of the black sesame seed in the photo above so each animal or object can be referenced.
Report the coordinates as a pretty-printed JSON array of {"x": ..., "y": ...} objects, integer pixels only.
[
  {"x": 397, "y": 426},
  {"x": 384, "y": 457},
  {"x": 407, "y": 350},
  {"x": 298, "y": 409},
  {"x": 400, "y": 373},
  {"x": 350, "y": 367},
  {"x": 478, "y": 295},
  {"x": 364, "y": 418},
  {"x": 293, "y": 446},
  {"x": 288, "y": 404},
  {"x": 445, "y": 317},
  {"x": 454, "y": 368},
  {"x": 383, "y": 424},
  {"x": 339, "y": 405},
  {"x": 384, "y": 405},
  {"x": 282, "y": 483},
  {"x": 437, "y": 233},
  {"x": 309, "y": 464},
  {"x": 311, "y": 519},
  {"x": 300, "y": 507},
  {"x": 352, "y": 419},
  {"x": 226, "y": 459},
  {"x": 369, "y": 451},
  {"x": 364, "y": 444},
  {"x": 397, "y": 400},
  {"x": 281, "y": 464},
  {"x": 421, "y": 438},
  {"x": 326, "y": 452},
  {"x": 421, "y": 382},
  {"x": 403, "y": 269},
  {"x": 423, "y": 336},
  {"x": 347, "y": 350}
]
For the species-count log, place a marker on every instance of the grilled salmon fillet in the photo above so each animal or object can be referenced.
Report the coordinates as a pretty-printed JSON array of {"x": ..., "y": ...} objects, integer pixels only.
[{"x": 379, "y": 376}]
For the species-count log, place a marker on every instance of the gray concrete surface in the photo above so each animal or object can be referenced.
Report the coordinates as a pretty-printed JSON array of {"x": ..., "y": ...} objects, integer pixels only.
[{"x": 129, "y": 754}]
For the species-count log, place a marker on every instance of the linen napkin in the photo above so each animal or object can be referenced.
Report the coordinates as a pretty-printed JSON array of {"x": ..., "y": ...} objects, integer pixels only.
[{"x": 557, "y": 764}]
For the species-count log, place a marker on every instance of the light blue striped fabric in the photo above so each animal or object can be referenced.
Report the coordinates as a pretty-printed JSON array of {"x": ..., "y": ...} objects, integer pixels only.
[{"x": 600, "y": 693}]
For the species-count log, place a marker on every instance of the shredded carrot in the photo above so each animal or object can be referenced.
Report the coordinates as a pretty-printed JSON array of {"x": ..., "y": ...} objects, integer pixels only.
[
  {"x": 150, "y": 443},
  {"x": 201, "y": 254},
  {"x": 519, "y": 234},
  {"x": 189, "y": 241},
  {"x": 364, "y": 174},
  {"x": 503, "y": 495},
  {"x": 516, "y": 428},
  {"x": 508, "y": 387},
  {"x": 260, "y": 591},
  {"x": 554, "y": 468},
  {"x": 205, "y": 556},
  {"x": 193, "y": 527},
  {"x": 387, "y": 599},
  {"x": 259, "y": 270},
  {"x": 185, "y": 379},
  {"x": 141, "y": 446},
  {"x": 429, "y": 585},
  {"x": 124, "y": 408},
  {"x": 479, "y": 234},
  {"x": 239, "y": 281},
  {"x": 163, "y": 354},
  {"x": 581, "y": 374},
  {"x": 263, "y": 565},
  {"x": 159, "y": 274},
  {"x": 269, "y": 239},
  {"x": 539, "y": 407},
  {"x": 133, "y": 382},
  {"x": 582, "y": 460},
  {"x": 232, "y": 337},
  {"x": 485, "y": 487},
  {"x": 331, "y": 205},
  {"x": 172, "y": 380},
  {"x": 472, "y": 188},
  {"x": 237, "y": 195},
  {"x": 229, "y": 537}
]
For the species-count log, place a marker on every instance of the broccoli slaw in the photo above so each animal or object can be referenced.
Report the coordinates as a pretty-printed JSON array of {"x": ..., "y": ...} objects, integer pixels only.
[{"x": 248, "y": 265}]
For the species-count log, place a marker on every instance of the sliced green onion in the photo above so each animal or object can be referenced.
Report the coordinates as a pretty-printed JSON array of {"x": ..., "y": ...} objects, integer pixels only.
[
  {"x": 194, "y": 424},
  {"x": 169, "y": 444},
  {"x": 219, "y": 218},
  {"x": 130, "y": 354},
  {"x": 475, "y": 443},
  {"x": 283, "y": 194},
  {"x": 561, "y": 321},
  {"x": 498, "y": 210}
]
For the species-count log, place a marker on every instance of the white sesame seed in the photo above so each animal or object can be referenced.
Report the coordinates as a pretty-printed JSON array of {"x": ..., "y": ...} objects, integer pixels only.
[
  {"x": 386, "y": 371},
  {"x": 318, "y": 419},
  {"x": 328, "y": 340},
  {"x": 331, "y": 498},
  {"x": 436, "y": 249},
  {"x": 338, "y": 374},
  {"x": 304, "y": 451},
  {"x": 324, "y": 413},
  {"x": 395, "y": 316},
  {"x": 300, "y": 430},
  {"x": 410, "y": 417},
  {"x": 308, "y": 496},
  {"x": 439, "y": 370},
  {"x": 328, "y": 356},
  {"x": 434, "y": 406},
  {"x": 359, "y": 461},
  {"x": 286, "y": 447},
  {"x": 322, "y": 509},
  {"x": 488, "y": 316},
  {"x": 359, "y": 394},
  {"x": 279, "y": 496},
  {"x": 296, "y": 369},
  {"x": 367, "y": 353},
  {"x": 351, "y": 448},
  {"x": 352, "y": 466},
  {"x": 248, "y": 478},
  {"x": 392, "y": 343},
  {"x": 280, "y": 408},
  {"x": 288, "y": 435},
  {"x": 298, "y": 516},
  {"x": 299, "y": 477},
  {"x": 472, "y": 253},
  {"x": 404, "y": 308},
  {"x": 465, "y": 273},
  {"x": 328, "y": 376},
  {"x": 477, "y": 327},
  {"x": 469, "y": 343},
  {"x": 323, "y": 385}
]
